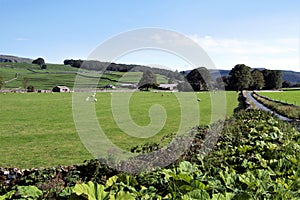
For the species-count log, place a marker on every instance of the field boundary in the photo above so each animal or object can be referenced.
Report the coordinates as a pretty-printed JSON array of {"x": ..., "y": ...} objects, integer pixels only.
[
  {"x": 274, "y": 100},
  {"x": 285, "y": 109}
]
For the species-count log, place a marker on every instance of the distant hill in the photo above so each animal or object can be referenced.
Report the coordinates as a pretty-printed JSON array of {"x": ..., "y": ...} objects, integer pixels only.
[
  {"x": 290, "y": 76},
  {"x": 14, "y": 59}
]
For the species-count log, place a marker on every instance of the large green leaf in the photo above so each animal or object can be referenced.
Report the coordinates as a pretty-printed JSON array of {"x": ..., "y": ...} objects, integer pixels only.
[
  {"x": 111, "y": 181},
  {"x": 7, "y": 195},
  {"x": 90, "y": 191},
  {"x": 29, "y": 192},
  {"x": 196, "y": 195},
  {"x": 228, "y": 196}
]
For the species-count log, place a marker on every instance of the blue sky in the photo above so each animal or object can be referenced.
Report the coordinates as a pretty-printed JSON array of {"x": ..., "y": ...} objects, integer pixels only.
[{"x": 257, "y": 33}]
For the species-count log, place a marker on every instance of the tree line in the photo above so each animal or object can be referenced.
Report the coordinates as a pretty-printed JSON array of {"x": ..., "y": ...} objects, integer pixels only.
[
  {"x": 242, "y": 77},
  {"x": 106, "y": 66}
]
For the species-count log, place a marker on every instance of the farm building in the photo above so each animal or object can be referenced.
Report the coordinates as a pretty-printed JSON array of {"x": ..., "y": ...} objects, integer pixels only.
[
  {"x": 128, "y": 85},
  {"x": 167, "y": 86},
  {"x": 61, "y": 89}
]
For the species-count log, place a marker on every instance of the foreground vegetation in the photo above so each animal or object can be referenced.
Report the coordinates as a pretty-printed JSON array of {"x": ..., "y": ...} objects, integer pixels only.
[
  {"x": 288, "y": 110},
  {"x": 40, "y": 129},
  {"x": 256, "y": 156}
]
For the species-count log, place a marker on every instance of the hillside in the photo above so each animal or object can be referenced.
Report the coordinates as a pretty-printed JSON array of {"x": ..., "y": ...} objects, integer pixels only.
[
  {"x": 291, "y": 76},
  {"x": 14, "y": 59},
  {"x": 21, "y": 75},
  {"x": 59, "y": 74}
]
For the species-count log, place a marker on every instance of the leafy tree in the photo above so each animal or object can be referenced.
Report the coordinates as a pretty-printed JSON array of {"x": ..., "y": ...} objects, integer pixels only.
[
  {"x": 76, "y": 63},
  {"x": 286, "y": 84},
  {"x": 68, "y": 62},
  {"x": 30, "y": 88},
  {"x": 39, "y": 61},
  {"x": 222, "y": 82},
  {"x": 148, "y": 80},
  {"x": 199, "y": 79},
  {"x": 258, "y": 81},
  {"x": 296, "y": 85},
  {"x": 273, "y": 79},
  {"x": 44, "y": 66},
  {"x": 184, "y": 87},
  {"x": 240, "y": 77}
]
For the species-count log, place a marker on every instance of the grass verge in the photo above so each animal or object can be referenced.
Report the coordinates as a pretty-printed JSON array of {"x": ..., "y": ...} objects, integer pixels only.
[{"x": 290, "y": 111}]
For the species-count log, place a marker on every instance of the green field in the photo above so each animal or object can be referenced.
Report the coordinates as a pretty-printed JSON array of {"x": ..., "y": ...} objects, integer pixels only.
[
  {"x": 290, "y": 96},
  {"x": 37, "y": 129},
  {"x": 56, "y": 74}
]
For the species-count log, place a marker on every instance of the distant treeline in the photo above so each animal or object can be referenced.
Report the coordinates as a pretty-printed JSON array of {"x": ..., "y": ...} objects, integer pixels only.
[
  {"x": 242, "y": 77},
  {"x": 106, "y": 66}
]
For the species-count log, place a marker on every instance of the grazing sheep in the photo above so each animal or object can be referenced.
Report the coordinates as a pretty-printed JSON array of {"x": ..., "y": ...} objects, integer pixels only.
[
  {"x": 87, "y": 99},
  {"x": 95, "y": 100}
]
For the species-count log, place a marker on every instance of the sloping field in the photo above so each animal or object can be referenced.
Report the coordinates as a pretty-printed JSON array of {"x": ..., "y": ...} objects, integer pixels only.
[{"x": 30, "y": 74}]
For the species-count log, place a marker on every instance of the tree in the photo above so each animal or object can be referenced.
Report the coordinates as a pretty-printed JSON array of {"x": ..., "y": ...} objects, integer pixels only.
[
  {"x": 286, "y": 84},
  {"x": 184, "y": 87},
  {"x": 44, "y": 66},
  {"x": 39, "y": 61},
  {"x": 240, "y": 77},
  {"x": 273, "y": 79},
  {"x": 222, "y": 82},
  {"x": 258, "y": 81},
  {"x": 30, "y": 88},
  {"x": 199, "y": 79},
  {"x": 148, "y": 80}
]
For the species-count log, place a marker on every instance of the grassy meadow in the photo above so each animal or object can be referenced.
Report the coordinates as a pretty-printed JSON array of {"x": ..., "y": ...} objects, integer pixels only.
[
  {"x": 289, "y": 96},
  {"x": 57, "y": 74},
  {"x": 37, "y": 129}
]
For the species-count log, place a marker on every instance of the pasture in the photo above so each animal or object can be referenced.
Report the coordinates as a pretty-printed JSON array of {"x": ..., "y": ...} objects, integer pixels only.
[
  {"x": 62, "y": 75},
  {"x": 37, "y": 129},
  {"x": 289, "y": 96}
]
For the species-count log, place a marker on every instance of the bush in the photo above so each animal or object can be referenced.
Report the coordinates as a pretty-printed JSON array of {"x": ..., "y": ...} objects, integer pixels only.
[{"x": 30, "y": 88}]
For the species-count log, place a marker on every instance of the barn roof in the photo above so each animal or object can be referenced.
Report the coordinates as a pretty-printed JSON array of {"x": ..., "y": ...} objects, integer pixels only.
[{"x": 62, "y": 87}]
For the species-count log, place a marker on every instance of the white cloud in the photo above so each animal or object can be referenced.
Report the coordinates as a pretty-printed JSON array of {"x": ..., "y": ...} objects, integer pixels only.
[
  {"x": 21, "y": 39},
  {"x": 273, "y": 53}
]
